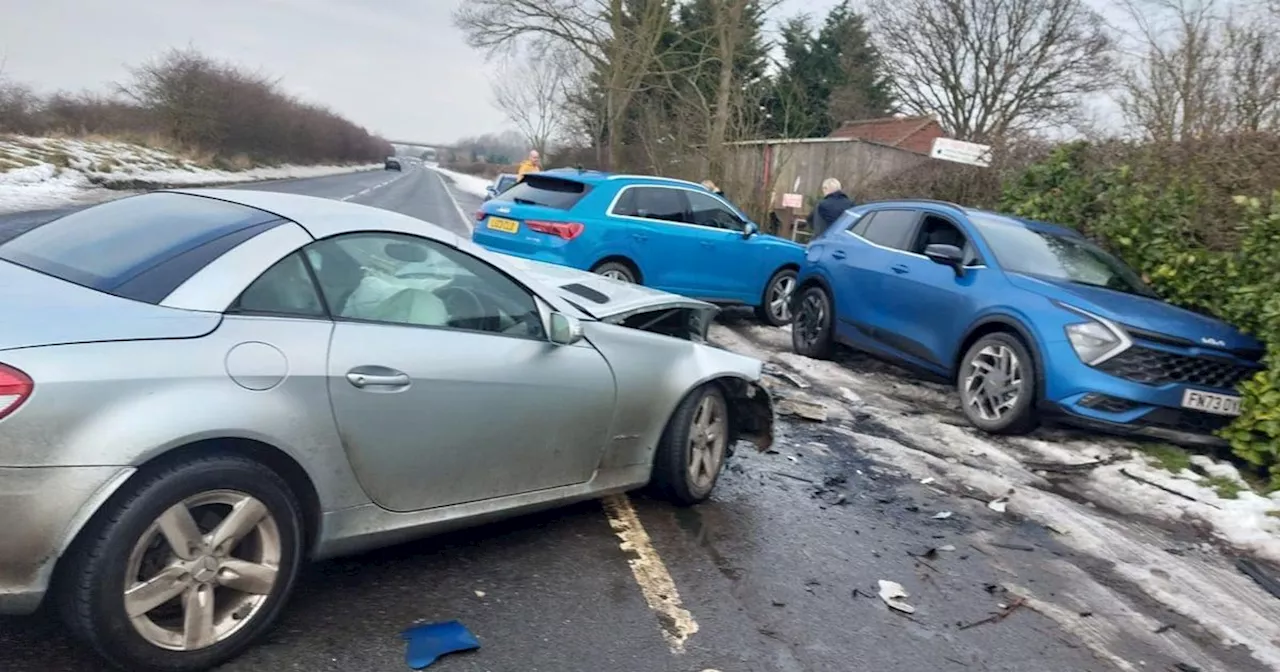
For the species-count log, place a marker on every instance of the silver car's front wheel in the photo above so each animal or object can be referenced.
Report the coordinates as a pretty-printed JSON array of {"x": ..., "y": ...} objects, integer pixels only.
[
  {"x": 694, "y": 444},
  {"x": 186, "y": 567},
  {"x": 708, "y": 438}
]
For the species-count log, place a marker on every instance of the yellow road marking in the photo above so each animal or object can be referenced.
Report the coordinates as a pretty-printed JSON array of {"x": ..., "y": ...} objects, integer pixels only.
[{"x": 651, "y": 573}]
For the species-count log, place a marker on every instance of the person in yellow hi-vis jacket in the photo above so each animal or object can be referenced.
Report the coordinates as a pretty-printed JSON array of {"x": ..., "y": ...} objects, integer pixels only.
[{"x": 530, "y": 165}]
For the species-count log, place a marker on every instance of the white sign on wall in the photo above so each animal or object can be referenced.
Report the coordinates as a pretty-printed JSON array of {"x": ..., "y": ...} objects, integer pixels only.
[
  {"x": 960, "y": 151},
  {"x": 792, "y": 201}
]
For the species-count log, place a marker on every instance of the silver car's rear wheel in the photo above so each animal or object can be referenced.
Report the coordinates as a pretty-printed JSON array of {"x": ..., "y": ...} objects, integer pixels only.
[
  {"x": 203, "y": 570},
  {"x": 186, "y": 566}
]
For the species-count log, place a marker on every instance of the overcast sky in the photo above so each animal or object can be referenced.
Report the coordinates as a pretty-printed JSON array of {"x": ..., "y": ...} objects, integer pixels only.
[{"x": 398, "y": 67}]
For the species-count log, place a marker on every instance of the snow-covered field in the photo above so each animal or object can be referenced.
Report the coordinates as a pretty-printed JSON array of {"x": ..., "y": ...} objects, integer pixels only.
[
  {"x": 1165, "y": 534},
  {"x": 470, "y": 184},
  {"x": 52, "y": 172}
]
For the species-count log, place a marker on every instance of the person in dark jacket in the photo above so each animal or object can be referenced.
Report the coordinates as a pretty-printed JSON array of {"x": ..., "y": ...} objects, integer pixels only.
[{"x": 833, "y": 204}]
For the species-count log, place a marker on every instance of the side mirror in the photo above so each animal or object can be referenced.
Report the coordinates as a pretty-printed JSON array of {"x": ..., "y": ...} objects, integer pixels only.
[
  {"x": 750, "y": 230},
  {"x": 947, "y": 255},
  {"x": 565, "y": 330},
  {"x": 491, "y": 190}
]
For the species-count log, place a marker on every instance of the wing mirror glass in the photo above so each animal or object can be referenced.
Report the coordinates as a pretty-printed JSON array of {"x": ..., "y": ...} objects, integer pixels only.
[
  {"x": 565, "y": 330},
  {"x": 750, "y": 230},
  {"x": 947, "y": 255}
]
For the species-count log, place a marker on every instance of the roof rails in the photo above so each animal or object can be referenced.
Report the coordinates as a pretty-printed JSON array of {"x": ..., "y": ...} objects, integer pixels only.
[
  {"x": 672, "y": 180},
  {"x": 918, "y": 200}
]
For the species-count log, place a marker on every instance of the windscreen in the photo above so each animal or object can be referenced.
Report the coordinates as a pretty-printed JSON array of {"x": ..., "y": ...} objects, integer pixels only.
[{"x": 551, "y": 192}]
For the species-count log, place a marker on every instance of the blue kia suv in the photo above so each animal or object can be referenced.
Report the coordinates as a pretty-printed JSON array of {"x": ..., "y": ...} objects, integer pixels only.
[
  {"x": 1025, "y": 318},
  {"x": 668, "y": 234}
]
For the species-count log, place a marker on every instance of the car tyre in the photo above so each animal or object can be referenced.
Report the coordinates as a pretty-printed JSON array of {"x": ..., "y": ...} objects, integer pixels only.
[
  {"x": 812, "y": 328},
  {"x": 238, "y": 521},
  {"x": 997, "y": 385},
  {"x": 693, "y": 448},
  {"x": 775, "y": 307},
  {"x": 616, "y": 270}
]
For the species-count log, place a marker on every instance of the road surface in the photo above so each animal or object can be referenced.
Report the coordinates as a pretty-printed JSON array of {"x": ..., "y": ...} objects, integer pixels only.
[{"x": 779, "y": 572}]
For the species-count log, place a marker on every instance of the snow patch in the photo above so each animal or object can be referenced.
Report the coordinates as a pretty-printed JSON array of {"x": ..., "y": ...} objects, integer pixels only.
[
  {"x": 471, "y": 184},
  {"x": 40, "y": 173}
]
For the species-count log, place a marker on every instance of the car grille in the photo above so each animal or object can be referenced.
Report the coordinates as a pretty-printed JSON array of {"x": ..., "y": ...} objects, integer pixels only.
[
  {"x": 1157, "y": 367},
  {"x": 1191, "y": 422}
]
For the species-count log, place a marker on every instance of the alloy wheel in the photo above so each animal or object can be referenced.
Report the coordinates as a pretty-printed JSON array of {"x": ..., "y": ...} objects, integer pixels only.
[
  {"x": 203, "y": 570},
  {"x": 708, "y": 437},
  {"x": 616, "y": 274},
  {"x": 811, "y": 319},
  {"x": 779, "y": 299},
  {"x": 993, "y": 382}
]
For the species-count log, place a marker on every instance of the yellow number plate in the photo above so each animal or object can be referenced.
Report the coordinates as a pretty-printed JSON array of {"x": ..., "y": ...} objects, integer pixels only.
[{"x": 500, "y": 224}]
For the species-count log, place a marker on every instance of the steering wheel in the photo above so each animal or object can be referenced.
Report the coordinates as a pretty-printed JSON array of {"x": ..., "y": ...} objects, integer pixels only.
[{"x": 465, "y": 308}]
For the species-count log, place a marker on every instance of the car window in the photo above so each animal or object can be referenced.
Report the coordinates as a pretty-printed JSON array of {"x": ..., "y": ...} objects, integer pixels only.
[
  {"x": 551, "y": 192},
  {"x": 941, "y": 231},
  {"x": 402, "y": 279},
  {"x": 284, "y": 289},
  {"x": 890, "y": 228},
  {"x": 707, "y": 210},
  {"x": 661, "y": 203},
  {"x": 142, "y": 247}
]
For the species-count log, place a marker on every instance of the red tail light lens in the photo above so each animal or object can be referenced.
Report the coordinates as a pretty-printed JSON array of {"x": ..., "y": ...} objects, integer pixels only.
[
  {"x": 479, "y": 215},
  {"x": 566, "y": 230},
  {"x": 15, "y": 387}
]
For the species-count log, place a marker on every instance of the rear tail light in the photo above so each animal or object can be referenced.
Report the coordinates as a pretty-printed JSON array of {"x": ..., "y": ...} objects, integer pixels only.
[
  {"x": 565, "y": 230},
  {"x": 479, "y": 215},
  {"x": 15, "y": 387}
]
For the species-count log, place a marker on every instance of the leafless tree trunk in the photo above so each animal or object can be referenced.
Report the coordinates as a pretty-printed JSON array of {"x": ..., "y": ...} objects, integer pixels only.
[
  {"x": 532, "y": 91},
  {"x": 986, "y": 68}
]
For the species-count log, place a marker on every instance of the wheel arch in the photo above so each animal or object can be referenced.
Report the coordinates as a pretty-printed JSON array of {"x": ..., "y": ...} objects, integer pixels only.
[
  {"x": 751, "y": 414},
  {"x": 1002, "y": 324}
]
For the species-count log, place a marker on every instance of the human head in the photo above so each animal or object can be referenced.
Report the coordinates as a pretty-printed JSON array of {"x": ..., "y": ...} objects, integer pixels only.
[
  {"x": 830, "y": 186},
  {"x": 534, "y": 158},
  {"x": 710, "y": 185}
]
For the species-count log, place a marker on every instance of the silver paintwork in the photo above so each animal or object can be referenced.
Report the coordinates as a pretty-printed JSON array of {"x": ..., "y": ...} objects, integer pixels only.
[{"x": 488, "y": 426}]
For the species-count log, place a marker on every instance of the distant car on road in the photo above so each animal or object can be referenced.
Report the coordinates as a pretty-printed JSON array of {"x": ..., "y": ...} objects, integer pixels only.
[
  {"x": 392, "y": 163},
  {"x": 1026, "y": 318},
  {"x": 500, "y": 184},
  {"x": 199, "y": 390},
  {"x": 670, "y": 234}
]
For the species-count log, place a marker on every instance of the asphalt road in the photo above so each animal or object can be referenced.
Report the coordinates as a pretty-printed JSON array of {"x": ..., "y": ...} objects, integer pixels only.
[{"x": 779, "y": 571}]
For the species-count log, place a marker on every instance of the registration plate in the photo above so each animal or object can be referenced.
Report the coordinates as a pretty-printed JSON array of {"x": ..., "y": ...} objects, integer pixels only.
[
  {"x": 1209, "y": 402},
  {"x": 503, "y": 224}
]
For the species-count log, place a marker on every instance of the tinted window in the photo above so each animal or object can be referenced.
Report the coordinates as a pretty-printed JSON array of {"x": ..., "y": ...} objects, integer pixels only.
[
  {"x": 399, "y": 279},
  {"x": 110, "y": 246},
  {"x": 668, "y": 205},
  {"x": 710, "y": 211},
  {"x": 284, "y": 289},
  {"x": 1021, "y": 249},
  {"x": 940, "y": 231},
  {"x": 891, "y": 228},
  {"x": 551, "y": 192}
]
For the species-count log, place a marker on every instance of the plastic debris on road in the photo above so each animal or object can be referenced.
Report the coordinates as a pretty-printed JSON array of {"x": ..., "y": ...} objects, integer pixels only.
[
  {"x": 942, "y": 515},
  {"x": 430, "y": 642},
  {"x": 893, "y": 593}
]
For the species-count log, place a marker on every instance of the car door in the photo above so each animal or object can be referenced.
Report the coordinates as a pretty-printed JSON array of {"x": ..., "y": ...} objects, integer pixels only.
[
  {"x": 926, "y": 305},
  {"x": 668, "y": 247},
  {"x": 863, "y": 258},
  {"x": 730, "y": 263},
  {"x": 444, "y": 386}
]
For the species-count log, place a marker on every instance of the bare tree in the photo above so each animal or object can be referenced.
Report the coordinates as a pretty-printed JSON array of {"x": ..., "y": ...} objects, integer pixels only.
[
  {"x": 619, "y": 39},
  {"x": 986, "y": 68},
  {"x": 532, "y": 91}
]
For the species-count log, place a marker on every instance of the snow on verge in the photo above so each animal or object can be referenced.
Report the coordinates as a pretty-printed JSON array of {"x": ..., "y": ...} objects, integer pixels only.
[
  {"x": 1199, "y": 584},
  {"x": 471, "y": 184},
  {"x": 40, "y": 173}
]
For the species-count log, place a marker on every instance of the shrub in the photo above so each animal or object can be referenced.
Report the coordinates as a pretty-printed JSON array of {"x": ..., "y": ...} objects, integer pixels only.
[{"x": 1168, "y": 212}]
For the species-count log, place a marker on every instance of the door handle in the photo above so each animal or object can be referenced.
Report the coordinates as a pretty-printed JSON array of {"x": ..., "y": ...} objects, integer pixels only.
[
  {"x": 837, "y": 254},
  {"x": 389, "y": 379},
  {"x": 900, "y": 269}
]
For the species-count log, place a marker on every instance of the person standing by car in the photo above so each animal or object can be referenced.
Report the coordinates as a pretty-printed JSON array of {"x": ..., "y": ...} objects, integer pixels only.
[
  {"x": 833, "y": 204},
  {"x": 532, "y": 164}
]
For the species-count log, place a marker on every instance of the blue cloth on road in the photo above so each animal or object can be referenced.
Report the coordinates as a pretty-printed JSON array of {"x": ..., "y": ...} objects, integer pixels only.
[{"x": 430, "y": 642}]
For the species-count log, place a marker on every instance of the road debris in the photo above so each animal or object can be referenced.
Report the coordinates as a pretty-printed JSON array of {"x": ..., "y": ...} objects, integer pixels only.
[
  {"x": 942, "y": 515},
  {"x": 999, "y": 505},
  {"x": 893, "y": 593},
  {"x": 927, "y": 481},
  {"x": 777, "y": 372},
  {"x": 801, "y": 408},
  {"x": 1147, "y": 481},
  {"x": 1004, "y": 612},
  {"x": 430, "y": 642},
  {"x": 480, "y": 594}
]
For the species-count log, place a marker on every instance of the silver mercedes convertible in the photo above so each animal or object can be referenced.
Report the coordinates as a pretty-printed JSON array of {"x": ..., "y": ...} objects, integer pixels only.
[{"x": 200, "y": 390}]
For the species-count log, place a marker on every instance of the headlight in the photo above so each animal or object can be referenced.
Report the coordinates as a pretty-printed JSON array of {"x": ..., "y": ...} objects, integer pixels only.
[{"x": 1097, "y": 340}]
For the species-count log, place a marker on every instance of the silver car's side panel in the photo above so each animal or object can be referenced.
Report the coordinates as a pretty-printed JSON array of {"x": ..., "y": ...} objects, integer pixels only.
[
  {"x": 368, "y": 527},
  {"x": 121, "y": 404},
  {"x": 656, "y": 372},
  {"x": 215, "y": 286},
  {"x": 477, "y": 416}
]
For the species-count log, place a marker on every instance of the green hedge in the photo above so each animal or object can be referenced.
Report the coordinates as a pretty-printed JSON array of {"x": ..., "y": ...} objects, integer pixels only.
[{"x": 1151, "y": 214}]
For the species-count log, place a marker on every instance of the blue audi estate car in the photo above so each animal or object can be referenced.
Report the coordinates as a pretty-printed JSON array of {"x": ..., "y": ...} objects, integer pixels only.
[
  {"x": 668, "y": 234},
  {"x": 1027, "y": 319}
]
